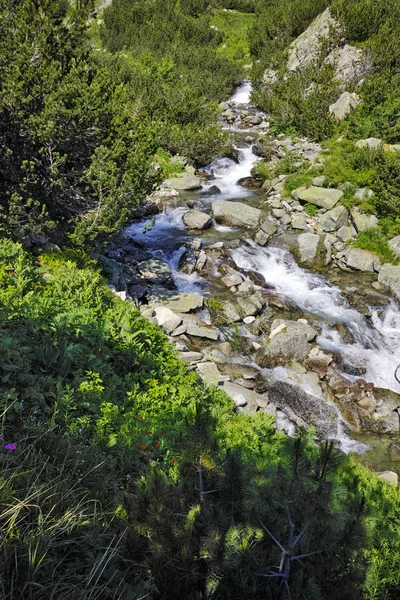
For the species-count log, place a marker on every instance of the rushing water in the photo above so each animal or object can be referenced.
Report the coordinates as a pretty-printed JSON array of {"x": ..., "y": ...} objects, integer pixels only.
[{"x": 376, "y": 340}]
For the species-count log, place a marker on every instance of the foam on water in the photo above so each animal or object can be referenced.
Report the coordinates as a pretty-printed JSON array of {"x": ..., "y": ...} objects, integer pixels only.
[
  {"x": 227, "y": 173},
  {"x": 243, "y": 93},
  {"x": 376, "y": 340}
]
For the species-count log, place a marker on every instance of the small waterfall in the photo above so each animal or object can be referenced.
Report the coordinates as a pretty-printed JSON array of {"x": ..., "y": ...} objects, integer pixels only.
[
  {"x": 227, "y": 173},
  {"x": 377, "y": 340},
  {"x": 243, "y": 93}
]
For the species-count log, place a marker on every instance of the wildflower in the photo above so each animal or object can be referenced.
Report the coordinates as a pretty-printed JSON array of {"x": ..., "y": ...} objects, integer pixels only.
[
  {"x": 36, "y": 287},
  {"x": 161, "y": 432},
  {"x": 175, "y": 462},
  {"x": 133, "y": 433},
  {"x": 148, "y": 431},
  {"x": 10, "y": 447},
  {"x": 140, "y": 418},
  {"x": 143, "y": 447},
  {"x": 156, "y": 445}
]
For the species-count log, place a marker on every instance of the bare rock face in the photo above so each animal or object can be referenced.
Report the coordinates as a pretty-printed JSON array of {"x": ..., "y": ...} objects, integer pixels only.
[
  {"x": 305, "y": 49},
  {"x": 344, "y": 105}
]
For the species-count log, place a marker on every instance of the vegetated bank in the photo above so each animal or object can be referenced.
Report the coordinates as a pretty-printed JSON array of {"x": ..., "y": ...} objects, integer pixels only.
[{"x": 122, "y": 476}]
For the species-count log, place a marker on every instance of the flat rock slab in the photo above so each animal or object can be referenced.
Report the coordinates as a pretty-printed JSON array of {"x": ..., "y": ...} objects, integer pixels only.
[
  {"x": 167, "y": 319},
  {"x": 321, "y": 197},
  {"x": 236, "y": 214},
  {"x": 209, "y": 373},
  {"x": 185, "y": 303},
  {"x": 253, "y": 400}
]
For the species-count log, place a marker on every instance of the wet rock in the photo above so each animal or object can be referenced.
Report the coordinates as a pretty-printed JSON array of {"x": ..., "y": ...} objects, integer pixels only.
[
  {"x": 213, "y": 190},
  {"x": 319, "y": 361},
  {"x": 334, "y": 219},
  {"x": 344, "y": 105},
  {"x": 261, "y": 150},
  {"x": 236, "y": 214},
  {"x": 250, "y": 182},
  {"x": 261, "y": 238},
  {"x": 232, "y": 279},
  {"x": 389, "y": 276},
  {"x": 194, "y": 219},
  {"x": 201, "y": 330},
  {"x": 362, "y": 260},
  {"x": 322, "y": 197}
]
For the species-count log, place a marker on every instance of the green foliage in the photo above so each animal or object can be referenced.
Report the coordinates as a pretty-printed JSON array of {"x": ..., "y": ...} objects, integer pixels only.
[
  {"x": 375, "y": 241},
  {"x": 74, "y": 156},
  {"x": 234, "y": 26},
  {"x": 310, "y": 209}
]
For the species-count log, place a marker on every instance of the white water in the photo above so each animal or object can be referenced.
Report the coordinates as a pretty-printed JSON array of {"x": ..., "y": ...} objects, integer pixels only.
[
  {"x": 227, "y": 173},
  {"x": 242, "y": 94},
  {"x": 377, "y": 341}
]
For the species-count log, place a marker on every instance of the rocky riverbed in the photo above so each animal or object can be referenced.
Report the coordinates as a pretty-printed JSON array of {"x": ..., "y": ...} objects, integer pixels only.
[{"x": 266, "y": 301}]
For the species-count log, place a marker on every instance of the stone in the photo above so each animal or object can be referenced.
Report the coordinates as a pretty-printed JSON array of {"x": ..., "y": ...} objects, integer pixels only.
[
  {"x": 247, "y": 287},
  {"x": 344, "y": 105},
  {"x": 394, "y": 245},
  {"x": 306, "y": 48},
  {"x": 389, "y": 276},
  {"x": 253, "y": 400},
  {"x": 364, "y": 221},
  {"x": 389, "y": 476},
  {"x": 249, "y": 320},
  {"x": 292, "y": 344},
  {"x": 167, "y": 319},
  {"x": 308, "y": 247},
  {"x": 362, "y": 260},
  {"x": 278, "y": 212},
  {"x": 195, "y": 219},
  {"x": 363, "y": 193},
  {"x": 156, "y": 271},
  {"x": 201, "y": 261},
  {"x": 282, "y": 328},
  {"x": 232, "y": 279},
  {"x": 236, "y": 214},
  {"x": 261, "y": 238},
  {"x": 209, "y": 373},
  {"x": 121, "y": 295},
  {"x": 349, "y": 62},
  {"x": 319, "y": 361},
  {"x": 299, "y": 221},
  {"x": 269, "y": 227},
  {"x": 371, "y": 142},
  {"x": 191, "y": 357},
  {"x": 304, "y": 409},
  {"x": 183, "y": 181},
  {"x": 319, "y": 181},
  {"x": 185, "y": 303},
  {"x": 346, "y": 233},
  {"x": 322, "y": 197},
  {"x": 334, "y": 219}
]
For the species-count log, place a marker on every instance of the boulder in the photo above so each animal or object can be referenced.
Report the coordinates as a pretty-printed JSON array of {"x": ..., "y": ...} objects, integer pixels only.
[
  {"x": 389, "y": 276},
  {"x": 362, "y": 260},
  {"x": 209, "y": 373},
  {"x": 334, "y": 219},
  {"x": 364, "y": 221},
  {"x": 394, "y": 245},
  {"x": 349, "y": 63},
  {"x": 291, "y": 343},
  {"x": 254, "y": 401},
  {"x": 344, "y": 105},
  {"x": 322, "y": 197},
  {"x": 184, "y": 181},
  {"x": 195, "y": 219},
  {"x": 306, "y": 48},
  {"x": 156, "y": 271},
  {"x": 371, "y": 142},
  {"x": 184, "y": 303},
  {"x": 249, "y": 182},
  {"x": 167, "y": 319},
  {"x": 191, "y": 357},
  {"x": 304, "y": 409},
  {"x": 236, "y": 214},
  {"x": 346, "y": 233},
  {"x": 389, "y": 476},
  {"x": 319, "y": 181},
  {"x": 299, "y": 221},
  {"x": 309, "y": 249}
]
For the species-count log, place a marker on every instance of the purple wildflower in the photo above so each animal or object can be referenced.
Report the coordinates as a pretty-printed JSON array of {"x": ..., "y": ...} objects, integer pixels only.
[{"x": 10, "y": 447}]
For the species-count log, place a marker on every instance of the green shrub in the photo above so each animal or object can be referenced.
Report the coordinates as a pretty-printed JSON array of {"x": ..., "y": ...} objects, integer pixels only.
[
  {"x": 310, "y": 209},
  {"x": 375, "y": 241}
]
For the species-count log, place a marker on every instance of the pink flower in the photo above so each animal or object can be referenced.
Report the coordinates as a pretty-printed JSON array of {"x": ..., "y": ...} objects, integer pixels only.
[{"x": 10, "y": 447}]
